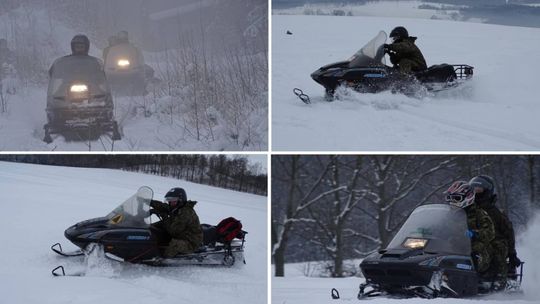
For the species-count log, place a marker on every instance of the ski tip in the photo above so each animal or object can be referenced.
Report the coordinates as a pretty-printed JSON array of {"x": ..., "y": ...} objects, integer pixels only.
[
  {"x": 56, "y": 272},
  {"x": 335, "y": 294}
]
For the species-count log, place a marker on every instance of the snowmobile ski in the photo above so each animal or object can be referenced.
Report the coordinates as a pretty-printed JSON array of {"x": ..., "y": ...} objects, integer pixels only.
[
  {"x": 60, "y": 272},
  {"x": 64, "y": 253},
  {"x": 300, "y": 94}
]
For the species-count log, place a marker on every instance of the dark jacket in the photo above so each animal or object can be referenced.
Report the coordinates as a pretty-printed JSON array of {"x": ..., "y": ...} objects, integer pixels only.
[
  {"x": 405, "y": 52},
  {"x": 504, "y": 231},
  {"x": 183, "y": 224}
]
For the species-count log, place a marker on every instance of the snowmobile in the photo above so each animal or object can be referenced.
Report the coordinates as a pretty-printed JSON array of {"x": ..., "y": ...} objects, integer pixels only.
[
  {"x": 79, "y": 101},
  {"x": 366, "y": 72},
  {"x": 127, "y": 234},
  {"x": 429, "y": 257},
  {"x": 126, "y": 71}
]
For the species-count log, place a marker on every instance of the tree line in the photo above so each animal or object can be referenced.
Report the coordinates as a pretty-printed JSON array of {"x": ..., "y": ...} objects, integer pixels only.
[
  {"x": 332, "y": 208},
  {"x": 235, "y": 173}
]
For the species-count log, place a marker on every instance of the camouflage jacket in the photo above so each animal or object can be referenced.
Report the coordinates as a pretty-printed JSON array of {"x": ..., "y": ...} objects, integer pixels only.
[
  {"x": 479, "y": 222},
  {"x": 183, "y": 224},
  {"x": 406, "y": 49},
  {"x": 504, "y": 231}
]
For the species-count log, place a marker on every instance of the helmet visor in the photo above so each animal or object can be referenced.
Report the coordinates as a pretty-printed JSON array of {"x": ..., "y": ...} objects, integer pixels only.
[{"x": 172, "y": 201}]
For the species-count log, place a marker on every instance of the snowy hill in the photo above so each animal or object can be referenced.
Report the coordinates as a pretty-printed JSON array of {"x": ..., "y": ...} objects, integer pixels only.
[
  {"x": 497, "y": 110},
  {"x": 296, "y": 288},
  {"x": 40, "y": 202}
]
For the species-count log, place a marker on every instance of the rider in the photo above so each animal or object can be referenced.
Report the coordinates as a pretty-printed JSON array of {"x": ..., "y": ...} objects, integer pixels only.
[
  {"x": 180, "y": 221},
  {"x": 113, "y": 40},
  {"x": 480, "y": 230},
  {"x": 504, "y": 242},
  {"x": 80, "y": 46},
  {"x": 404, "y": 54}
]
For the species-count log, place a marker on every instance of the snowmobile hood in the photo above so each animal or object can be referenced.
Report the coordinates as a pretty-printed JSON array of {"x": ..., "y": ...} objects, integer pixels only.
[{"x": 81, "y": 230}]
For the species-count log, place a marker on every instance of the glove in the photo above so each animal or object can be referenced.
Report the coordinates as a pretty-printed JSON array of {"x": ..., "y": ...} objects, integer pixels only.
[
  {"x": 471, "y": 233},
  {"x": 153, "y": 203},
  {"x": 387, "y": 48},
  {"x": 514, "y": 260},
  {"x": 153, "y": 211}
]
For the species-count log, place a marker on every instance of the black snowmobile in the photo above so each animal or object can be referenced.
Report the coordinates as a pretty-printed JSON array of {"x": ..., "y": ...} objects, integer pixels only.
[
  {"x": 126, "y": 71},
  {"x": 367, "y": 72},
  {"x": 79, "y": 101},
  {"x": 430, "y": 257},
  {"x": 127, "y": 234}
]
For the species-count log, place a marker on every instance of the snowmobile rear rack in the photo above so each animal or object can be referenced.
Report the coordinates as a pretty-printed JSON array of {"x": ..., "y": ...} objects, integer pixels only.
[{"x": 463, "y": 71}]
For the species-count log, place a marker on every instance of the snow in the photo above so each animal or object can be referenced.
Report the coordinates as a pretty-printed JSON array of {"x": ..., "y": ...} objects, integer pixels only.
[
  {"x": 496, "y": 111},
  {"x": 40, "y": 202},
  {"x": 296, "y": 287}
]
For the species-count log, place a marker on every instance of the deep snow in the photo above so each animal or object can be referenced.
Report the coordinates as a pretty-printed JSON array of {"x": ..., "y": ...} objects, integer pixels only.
[
  {"x": 40, "y": 202},
  {"x": 496, "y": 111},
  {"x": 295, "y": 287}
]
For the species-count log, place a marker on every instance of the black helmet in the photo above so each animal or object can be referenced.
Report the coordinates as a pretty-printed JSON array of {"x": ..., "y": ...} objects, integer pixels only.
[
  {"x": 399, "y": 33},
  {"x": 123, "y": 37},
  {"x": 176, "y": 198},
  {"x": 484, "y": 187},
  {"x": 80, "y": 45}
]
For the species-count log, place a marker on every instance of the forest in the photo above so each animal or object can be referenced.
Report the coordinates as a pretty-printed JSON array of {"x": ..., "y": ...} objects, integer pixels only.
[{"x": 333, "y": 208}]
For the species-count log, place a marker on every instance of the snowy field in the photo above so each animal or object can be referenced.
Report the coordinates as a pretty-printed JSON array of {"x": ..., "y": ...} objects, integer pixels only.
[
  {"x": 40, "y": 202},
  {"x": 496, "y": 111},
  {"x": 296, "y": 288}
]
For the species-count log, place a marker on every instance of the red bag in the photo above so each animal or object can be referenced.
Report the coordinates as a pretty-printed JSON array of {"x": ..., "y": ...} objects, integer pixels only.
[{"x": 228, "y": 229}]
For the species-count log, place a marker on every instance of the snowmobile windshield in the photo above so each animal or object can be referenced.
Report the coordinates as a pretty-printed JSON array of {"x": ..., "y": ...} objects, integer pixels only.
[
  {"x": 372, "y": 54},
  {"x": 77, "y": 70},
  {"x": 135, "y": 211},
  {"x": 434, "y": 228},
  {"x": 123, "y": 57}
]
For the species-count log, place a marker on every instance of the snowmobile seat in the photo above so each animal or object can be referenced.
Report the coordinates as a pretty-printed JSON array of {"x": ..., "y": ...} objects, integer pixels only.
[
  {"x": 209, "y": 235},
  {"x": 437, "y": 73}
]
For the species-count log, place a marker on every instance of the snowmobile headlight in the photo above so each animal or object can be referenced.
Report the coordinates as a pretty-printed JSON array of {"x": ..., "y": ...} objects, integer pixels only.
[
  {"x": 79, "y": 91},
  {"x": 123, "y": 63},
  {"x": 415, "y": 243},
  {"x": 78, "y": 88}
]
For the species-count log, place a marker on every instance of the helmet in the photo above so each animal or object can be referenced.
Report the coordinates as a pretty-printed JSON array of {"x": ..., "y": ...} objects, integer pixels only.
[
  {"x": 3, "y": 43},
  {"x": 123, "y": 37},
  {"x": 113, "y": 40},
  {"x": 80, "y": 45},
  {"x": 176, "y": 198},
  {"x": 399, "y": 33},
  {"x": 484, "y": 187},
  {"x": 460, "y": 194}
]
